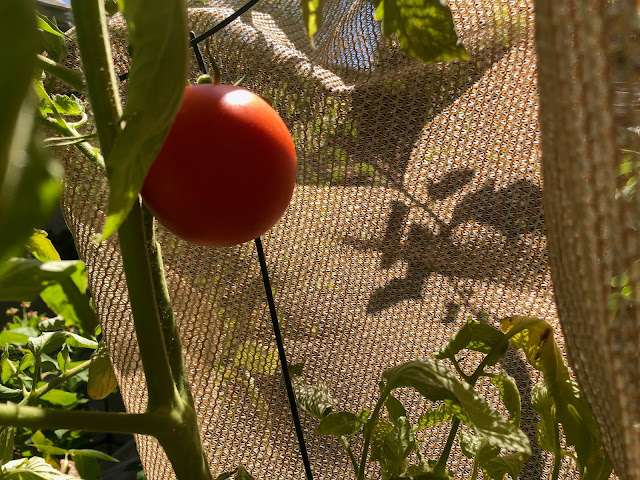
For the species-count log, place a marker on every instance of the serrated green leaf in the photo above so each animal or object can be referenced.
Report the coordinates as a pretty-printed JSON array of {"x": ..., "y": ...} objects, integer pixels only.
[
  {"x": 51, "y": 341},
  {"x": 52, "y": 324},
  {"x": 41, "y": 247},
  {"x": 438, "y": 382},
  {"x": 396, "y": 447},
  {"x": 380, "y": 430},
  {"x": 425, "y": 28},
  {"x": 159, "y": 36},
  {"x": 314, "y": 399},
  {"x": 7, "y": 392},
  {"x": 434, "y": 416},
  {"x": 44, "y": 445},
  {"x": 395, "y": 408},
  {"x": 22, "y": 279},
  {"x": 338, "y": 424},
  {"x": 102, "y": 379},
  {"x": 469, "y": 444},
  {"x": 477, "y": 336},
  {"x": 49, "y": 26},
  {"x": 26, "y": 361},
  {"x": 509, "y": 394},
  {"x": 499, "y": 466}
]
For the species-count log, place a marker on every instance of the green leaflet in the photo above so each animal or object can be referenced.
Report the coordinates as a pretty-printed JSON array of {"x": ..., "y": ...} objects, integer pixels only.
[
  {"x": 425, "y": 28},
  {"x": 339, "y": 424},
  {"x": 102, "y": 379},
  {"x": 159, "y": 37},
  {"x": 509, "y": 395},
  {"x": 312, "y": 16},
  {"x": 435, "y": 416},
  {"x": 34, "y": 468},
  {"x": 22, "y": 279},
  {"x": 477, "y": 336},
  {"x": 436, "y": 381},
  {"x": 314, "y": 399},
  {"x": 41, "y": 247}
]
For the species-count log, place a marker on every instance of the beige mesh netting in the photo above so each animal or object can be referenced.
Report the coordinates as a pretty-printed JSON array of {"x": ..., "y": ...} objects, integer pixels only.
[{"x": 418, "y": 206}]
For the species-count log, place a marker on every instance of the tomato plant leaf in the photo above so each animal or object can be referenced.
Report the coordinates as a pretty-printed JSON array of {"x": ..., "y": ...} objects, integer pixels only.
[
  {"x": 315, "y": 400},
  {"x": 510, "y": 464},
  {"x": 338, "y": 424},
  {"x": 312, "y": 16},
  {"x": 33, "y": 468},
  {"x": 90, "y": 453},
  {"x": 52, "y": 324},
  {"x": 159, "y": 37},
  {"x": 41, "y": 247},
  {"x": 60, "y": 398},
  {"x": 477, "y": 336},
  {"x": 88, "y": 468},
  {"x": 396, "y": 447},
  {"x": 54, "y": 41},
  {"x": 509, "y": 395},
  {"x": 535, "y": 337},
  {"x": 7, "y": 392},
  {"x": 434, "y": 416},
  {"x": 425, "y": 28},
  {"x": 395, "y": 408},
  {"x": 102, "y": 379},
  {"x": 22, "y": 279},
  {"x": 436, "y": 381}
]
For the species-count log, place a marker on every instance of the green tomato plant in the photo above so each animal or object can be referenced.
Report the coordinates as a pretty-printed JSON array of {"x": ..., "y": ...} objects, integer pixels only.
[{"x": 496, "y": 444}]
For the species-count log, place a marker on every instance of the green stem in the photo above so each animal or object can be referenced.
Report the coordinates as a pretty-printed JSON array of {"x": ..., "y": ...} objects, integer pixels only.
[
  {"x": 95, "y": 50},
  {"x": 368, "y": 431},
  {"x": 352, "y": 457},
  {"x": 146, "y": 315},
  {"x": 59, "y": 380},
  {"x": 441, "y": 466},
  {"x": 85, "y": 147},
  {"x": 170, "y": 330},
  {"x": 177, "y": 430},
  {"x": 474, "y": 474},
  {"x": 557, "y": 458},
  {"x": 444, "y": 457},
  {"x": 71, "y": 77},
  {"x": 52, "y": 419}
]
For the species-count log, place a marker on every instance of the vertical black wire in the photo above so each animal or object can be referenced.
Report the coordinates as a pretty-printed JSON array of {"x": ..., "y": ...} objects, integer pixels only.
[
  {"x": 272, "y": 309},
  {"x": 283, "y": 359}
]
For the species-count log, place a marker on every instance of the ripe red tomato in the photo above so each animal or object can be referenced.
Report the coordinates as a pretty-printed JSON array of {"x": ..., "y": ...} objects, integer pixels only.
[{"x": 226, "y": 172}]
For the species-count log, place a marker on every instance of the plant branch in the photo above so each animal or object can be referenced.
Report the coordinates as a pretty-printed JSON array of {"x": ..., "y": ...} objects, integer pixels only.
[
  {"x": 95, "y": 51},
  {"x": 51, "y": 419},
  {"x": 441, "y": 466},
  {"x": 170, "y": 330},
  {"x": 352, "y": 458},
  {"x": 72, "y": 78},
  {"x": 368, "y": 431},
  {"x": 85, "y": 147},
  {"x": 59, "y": 380}
]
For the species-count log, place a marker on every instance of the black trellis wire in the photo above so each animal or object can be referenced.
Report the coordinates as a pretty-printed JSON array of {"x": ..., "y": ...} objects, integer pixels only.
[{"x": 194, "y": 41}]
